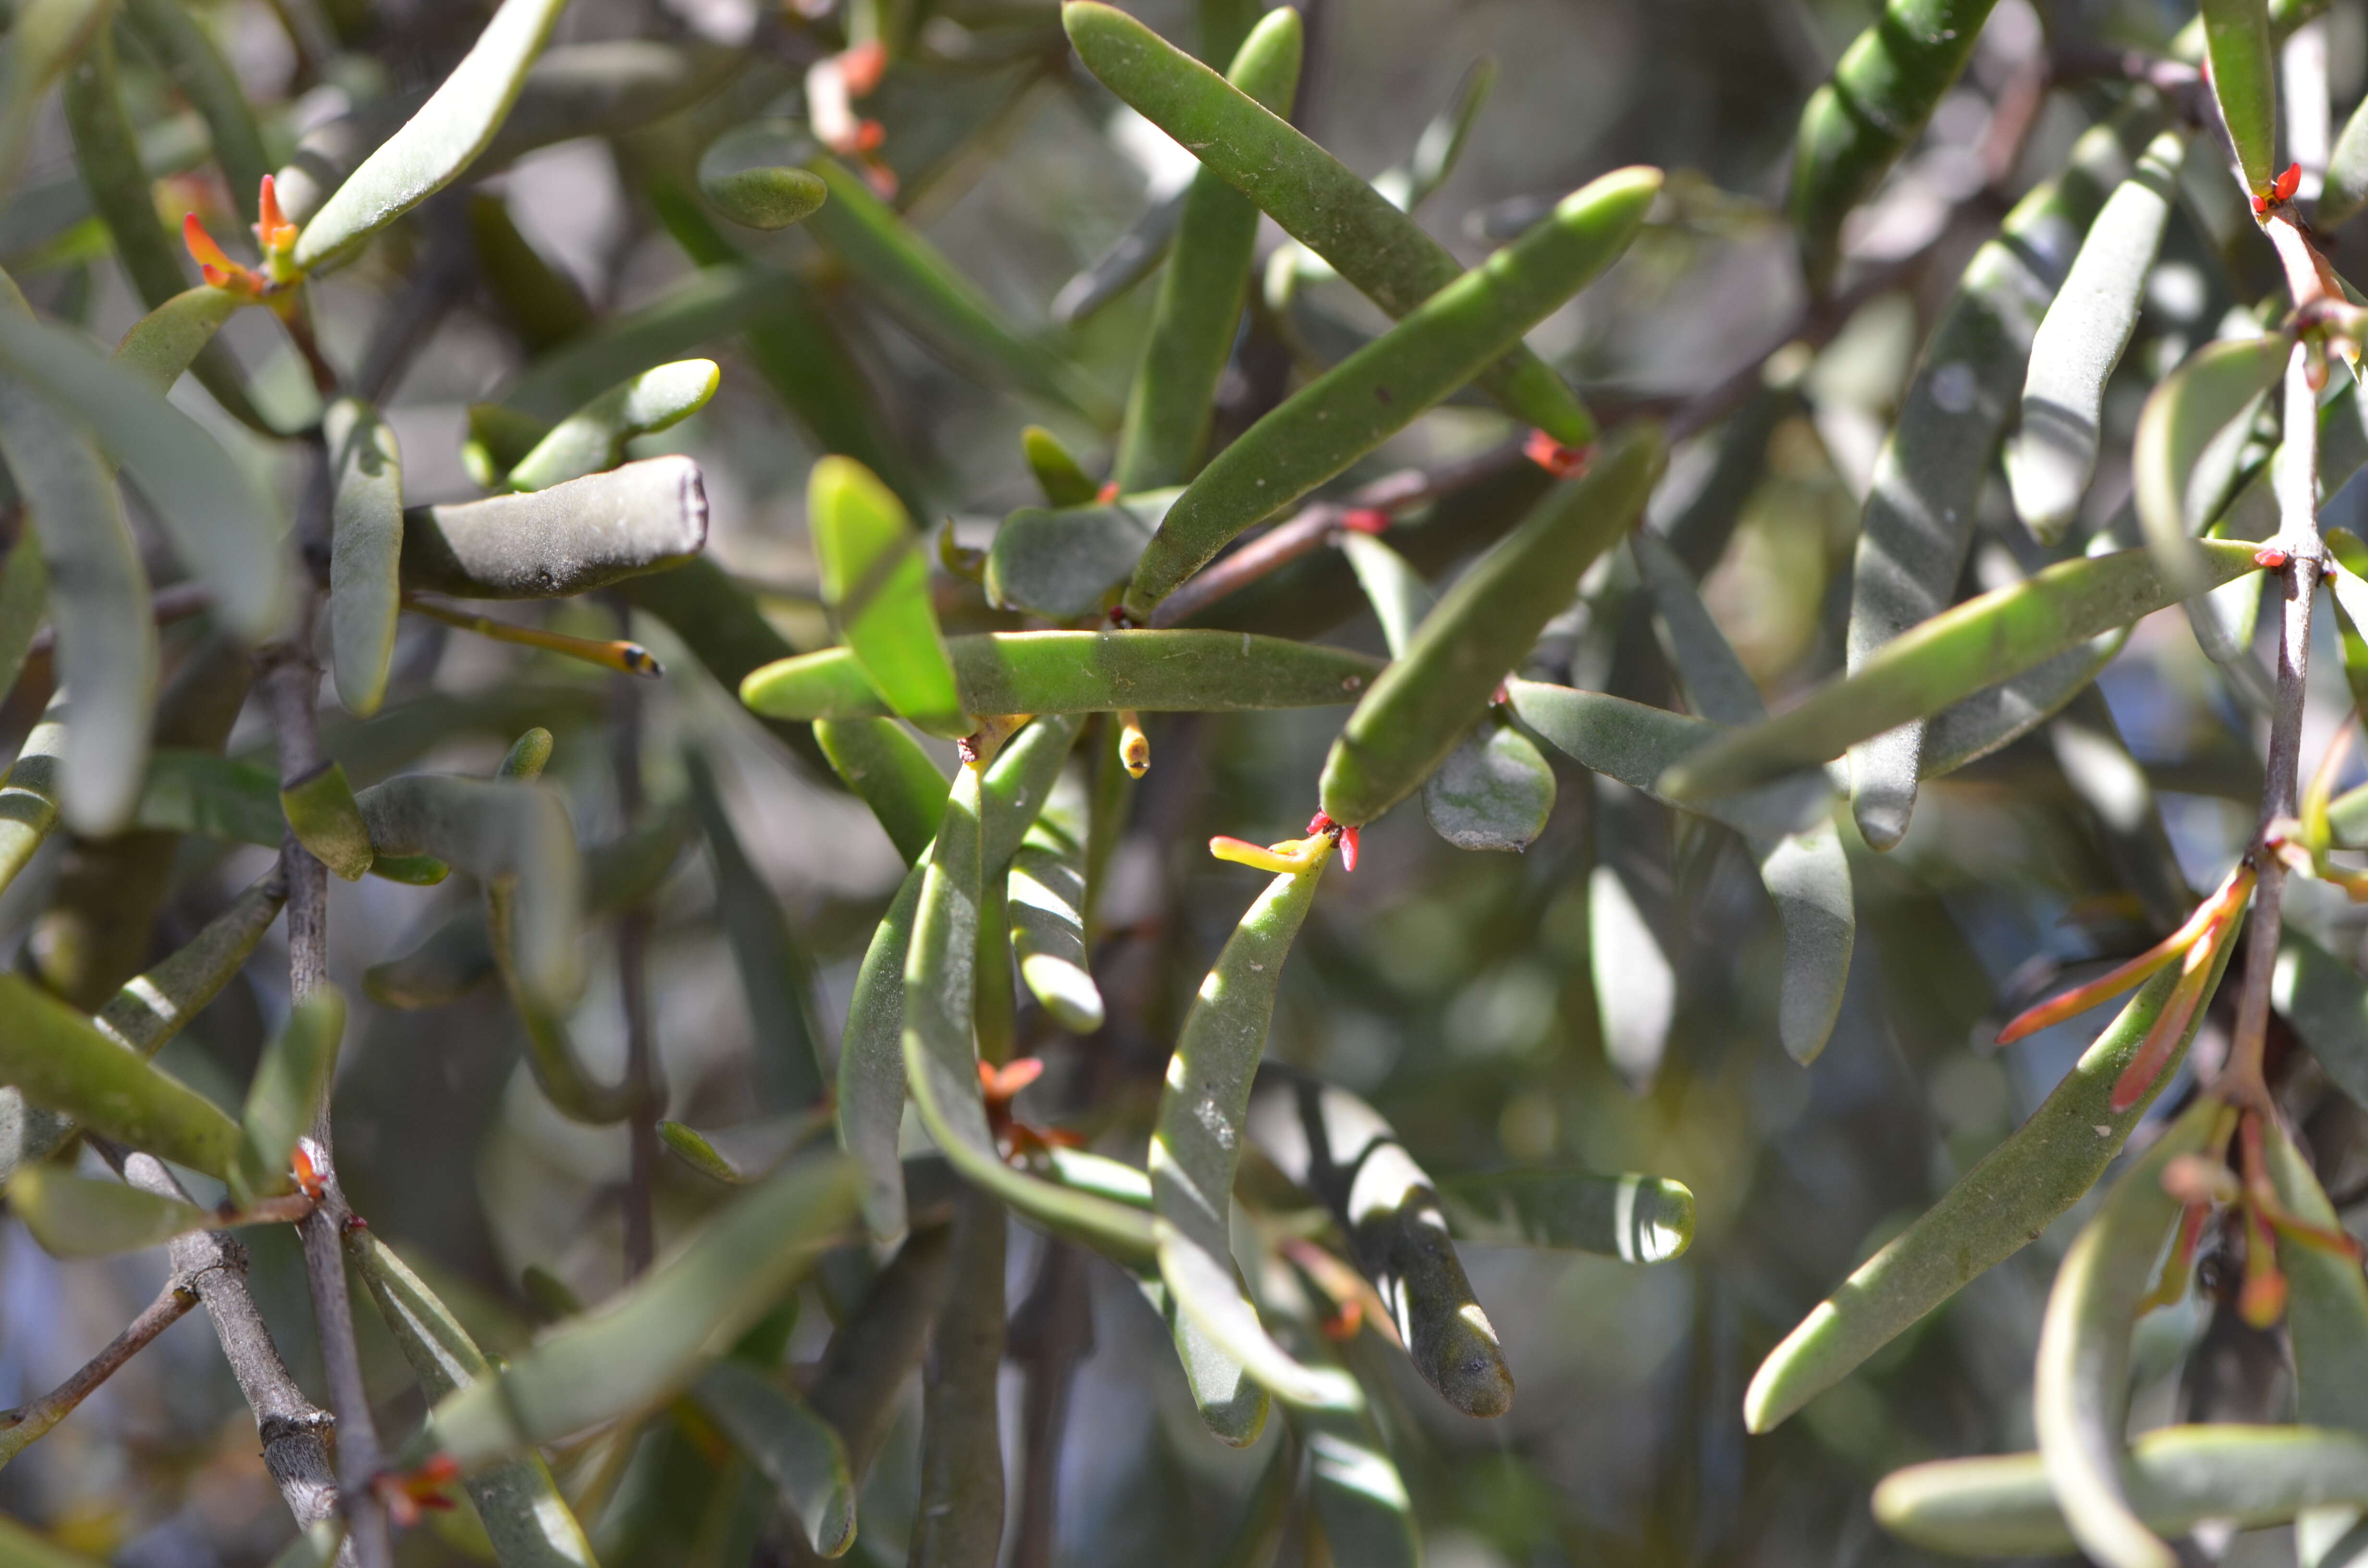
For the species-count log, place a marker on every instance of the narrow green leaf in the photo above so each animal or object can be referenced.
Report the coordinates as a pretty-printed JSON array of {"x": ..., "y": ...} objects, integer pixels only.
[
  {"x": 593, "y": 437},
  {"x": 2191, "y": 436},
  {"x": 940, "y": 1064},
  {"x": 526, "y": 1520},
  {"x": 1117, "y": 270},
  {"x": 2326, "y": 1002},
  {"x": 2245, "y": 83},
  {"x": 2000, "y": 715},
  {"x": 291, "y": 1080},
  {"x": 74, "y": 1216},
  {"x": 1317, "y": 199},
  {"x": 1441, "y": 147},
  {"x": 1634, "y": 982},
  {"x": 1196, "y": 1145},
  {"x": 437, "y": 143},
  {"x": 1062, "y": 479},
  {"x": 1199, "y": 306},
  {"x": 749, "y": 173},
  {"x": 106, "y": 636},
  {"x": 2177, "y": 1478},
  {"x": 959, "y": 1521},
  {"x": 876, "y": 582},
  {"x": 1956, "y": 654},
  {"x": 1399, "y": 594},
  {"x": 326, "y": 819},
  {"x": 2080, "y": 1394},
  {"x": 776, "y": 978},
  {"x": 1340, "y": 1149},
  {"x": 1046, "y": 904},
  {"x": 1494, "y": 791},
  {"x": 887, "y": 257},
  {"x": 59, "y": 1060},
  {"x": 1064, "y": 562},
  {"x": 44, "y": 38},
  {"x": 649, "y": 1341},
  {"x": 213, "y": 797},
  {"x": 178, "y": 44},
  {"x": 1636, "y": 1218},
  {"x": 536, "y": 298},
  {"x": 2051, "y": 459},
  {"x": 2013, "y": 1194},
  {"x": 879, "y": 759},
  {"x": 1855, "y": 126},
  {"x": 790, "y": 1445},
  {"x": 24, "y": 602},
  {"x": 2347, "y": 175},
  {"x": 1375, "y": 392},
  {"x": 715, "y": 301},
  {"x": 1082, "y": 672},
  {"x": 167, "y": 340},
  {"x": 154, "y": 1007},
  {"x": 1423, "y": 704},
  {"x": 1919, "y": 512},
  {"x": 585, "y": 534},
  {"x": 21, "y": 1547},
  {"x": 365, "y": 551},
  {"x": 2326, "y": 1322},
  {"x": 879, "y": 1343}
]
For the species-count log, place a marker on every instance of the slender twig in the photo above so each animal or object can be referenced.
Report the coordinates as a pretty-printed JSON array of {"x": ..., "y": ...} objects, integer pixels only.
[
  {"x": 20, "y": 1427},
  {"x": 1051, "y": 1334},
  {"x": 641, "y": 1081},
  {"x": 288, "y": 678}
]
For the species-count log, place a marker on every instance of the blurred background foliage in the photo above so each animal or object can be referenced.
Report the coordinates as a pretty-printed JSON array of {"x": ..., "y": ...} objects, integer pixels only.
[{"x": 1455, "y": 990}]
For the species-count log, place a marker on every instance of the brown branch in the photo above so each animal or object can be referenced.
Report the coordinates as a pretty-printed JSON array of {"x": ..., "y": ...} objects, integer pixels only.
[
  {"x": 21, "y": 1427},
  {"x": 1051, "y": 1334},
  {"x": 642, "y": 1082}
]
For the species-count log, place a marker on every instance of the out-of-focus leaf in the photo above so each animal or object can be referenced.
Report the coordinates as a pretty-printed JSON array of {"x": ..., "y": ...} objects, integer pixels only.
[
  {"x": 2245, "y": 83},
  {"x": 1635, "y": 984},
  {"x": 213, "y": 797},
  {"x": 959, "y": 1521},
  {"x": 2189, "y": 437},
  {"x": 1636, "y": 1218},
  {"x": 44, "y": 38},
  {"x": 2080, "y": 1394},
  {"x": 1376, "y": 391},
  {"x": 365, "y": 551},
  {"x": 2177, "y": 1478},
  {"x": 1046, "y": 902},
  {"x": 168, "y": 340},
  {"x": 174, "y": 38},
  {"x": 715, "y": 301},
  {"x": 775, "y": 977},
  {"x": 1065, "y": 562},
  {"x": 1062, "y": 479},
  {"x": 1956, "y": 654},
  {"x": 1400, "y": 595},
  {"x": 2326, "y": 1321},
  {"x": 2051, "y": 459},
  {"x": 790, "y": 1446},
  {"x": 1170, "y": 409},
  {"x": 876, "y": 582},
  {"x": 106, "y": 637},
  {"x": 537, "y": 299},
  {"x": 1082, "y": 672},
  {"x": 913, "y": 279},
  {"x": 2035, "y": 1174},
  {"x": 750, "y": 173},
  {"x": 437, "y": 143},
  {"x": 593, "y": 437},
  {"x": 291, "y": 1081},
  {"x": 573, "y": 537},
  {"x": 1494, "y": 791},
  {"x": 1124, "y": 265},
  {"x": 2347, "y": 174},
  {"x": 1310, "y": 194},
  {"x": 1423, "y": 704},
  {"x": 1970, "y": 729},
  {"x": 643, "y": 1343},
  {"x": 889, "y": 772},
  {"x": 528, "y": 1522},
  {"x": 2326, "y": 1002},
  {"x": 74, "y": 1216},
  {"x": 326, "y": 819},
  {"x": 876, "y": 1348},
  {"x": 24, "y": 600}
]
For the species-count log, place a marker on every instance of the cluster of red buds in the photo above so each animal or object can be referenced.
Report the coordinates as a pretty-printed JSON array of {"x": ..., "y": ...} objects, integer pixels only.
[
  {"x": 2282, "y": 189},
  {"x": 832, "y": 87},
  {"x": 1293, "y": 855},
  {"x": 275, "y": 236},
  {"x": 404, "y": 1493}
]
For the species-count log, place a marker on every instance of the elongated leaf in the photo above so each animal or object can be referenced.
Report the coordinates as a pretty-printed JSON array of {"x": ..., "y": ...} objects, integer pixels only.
[
  {"x": 1376, "y": 391},
  {"x": 1636, "y": 1218},
  {"x": 889, "y": 772},
  {"x": 174, "y": 38},
  {"x": 1046, "y": 902},
  {"x": 2347, "y": 173},
  {"x": 1979, "y": 644},
  {"x": 1882, "y": 91},
  {"x": 959, "y": 1523},
  {"x": 365, "y": 551},
  {"x": 213, "y": 797},
  {"x": 1635, "y": 983},
  {"x": 2050, "y": 461},
  {"x": 1399, "y": 594},
  {"x": 455, "y": 958},
  {"x": 24, "y": 600},
  {"x": 1059, "y": 475},
  {"x": 291, "y": 1081},
  {"x": 1494, "y": 791},
  {"x": 2080, "y": 1395},
  {"x": 940, "y": 1063},
  {"x": 107, "y": 638},
  {"x": 169, "y": 339},
  {"x": 2177, "y": 1478},
  {"x": 915, "y": 281},
  {"x": 2326, "y": 1321},
  {"x": 2190, "y": 436},
  {"x": 749, "y": 173},
  {"x": 1920, "y": 507},
  {"x": 1423, "y": 704},
  {"x": 876, "y": 583},
  {"x": 2018, "y": 1188},
  {"x": 2245, "y": 83},
  {"x": 437, "y": 143},
  {"x": 1065, "y": 562},
  {"x": 1200, "y": 294},
  {"x": 713, "y": 302},
  {"x": 652, "y": 1339},
  {"x": 324, "y": 815},
  {"x": 526, "y": 1520},
  {"x": 74, "y": 1216},
  {"x": 1315, "y": 199},
  {"x": 594, "y": 436},
  {"x": 1339, "y": 1148},
  {"x": 58, "y": 1059},
  {"x": 1129, "y": 259},
  {"x": 775, "y": 977},
  {"x": 790, "y": 1446},
  {"x": 1082, "y": 672},
  {"x": 44, "y": 38},
  {"x": 570, "y": 539},
  {"x": 880, "y": 1343},
  {"x": 227, "y": 532},
  {"x": 1967, "y": 731},
  {"x": 2326, "y": 1002}
]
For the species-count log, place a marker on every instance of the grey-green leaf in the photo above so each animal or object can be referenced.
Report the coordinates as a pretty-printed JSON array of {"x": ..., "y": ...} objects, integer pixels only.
[
  {"x": 1636, "y": 1218},
  {"x": 365, "y": 551}
]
